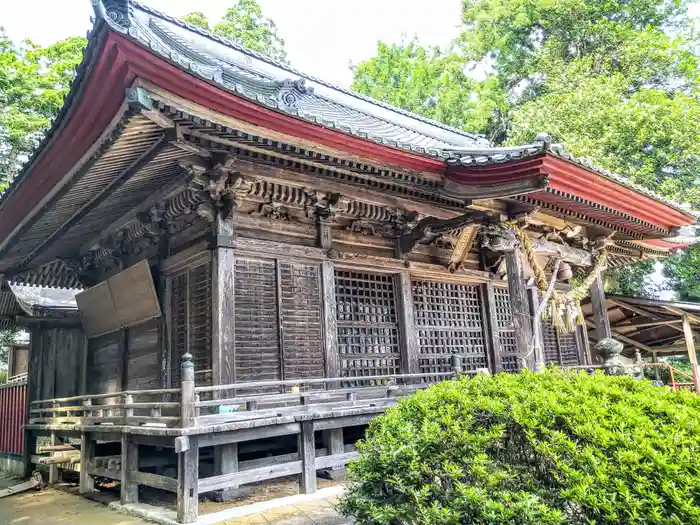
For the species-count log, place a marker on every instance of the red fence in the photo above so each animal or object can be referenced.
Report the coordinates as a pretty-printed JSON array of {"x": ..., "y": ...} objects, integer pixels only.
[{"x": 13, "y": 408}]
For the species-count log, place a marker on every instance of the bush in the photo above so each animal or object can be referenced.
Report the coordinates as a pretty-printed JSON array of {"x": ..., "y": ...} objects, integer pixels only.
[{"x": 531, "y": 449}]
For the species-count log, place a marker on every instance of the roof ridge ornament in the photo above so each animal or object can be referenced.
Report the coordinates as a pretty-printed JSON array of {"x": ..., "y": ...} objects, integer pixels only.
[
  {"x": 290, "y": 91},
  {"x": 116, "y": 13}
]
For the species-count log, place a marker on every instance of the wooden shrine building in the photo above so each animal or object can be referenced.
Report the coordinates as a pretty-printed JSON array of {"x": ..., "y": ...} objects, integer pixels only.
[{"x": 322, "y": 251}]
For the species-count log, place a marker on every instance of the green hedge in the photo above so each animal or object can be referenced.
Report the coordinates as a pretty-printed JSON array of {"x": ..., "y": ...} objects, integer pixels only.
[{"x": 552, "y": 448}]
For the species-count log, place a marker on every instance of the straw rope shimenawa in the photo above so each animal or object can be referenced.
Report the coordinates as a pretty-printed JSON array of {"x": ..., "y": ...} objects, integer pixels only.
[{"x": 564, "y": 310}]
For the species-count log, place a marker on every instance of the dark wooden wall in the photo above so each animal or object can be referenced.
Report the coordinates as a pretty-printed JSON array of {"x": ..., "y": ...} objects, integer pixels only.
[
  {"x": 55, "y": 361},
  {"x": 125, "y": 360}
]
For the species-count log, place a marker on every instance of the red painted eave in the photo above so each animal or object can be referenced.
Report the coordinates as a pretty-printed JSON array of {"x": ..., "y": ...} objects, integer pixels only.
[
  {"x": 100, "y": 99},
  {"x": 658, "y": 243},
  {"x": 576, "y": 181}
]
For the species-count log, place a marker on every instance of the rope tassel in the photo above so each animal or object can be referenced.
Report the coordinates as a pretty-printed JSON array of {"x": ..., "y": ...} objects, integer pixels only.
[{"x": 564, "y": 310}]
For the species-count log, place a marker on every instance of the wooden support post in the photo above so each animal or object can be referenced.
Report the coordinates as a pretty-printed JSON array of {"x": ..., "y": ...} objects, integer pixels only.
[
  {"x": 519, "y": 306},
  {"x": 657, "y": 369},
  {"x": 53, "y": 441},
  {"x": 409, "y": 334},
  {"x": 307, "y": 453},
  {"x": 187, "y": 395},
  {"x": 187, "y": 480},
  {"x": 331, "y": 319},
  {"x": 600, "y": 311},
  {"x": 690, "y": 344},
  {"x": 87, "y": 458},
  {"x": 491, "y": 328},
  {"x": 129, "y": 490},
  {"x": 226, "y": 462},
  {"x": 333, "y": 441}
]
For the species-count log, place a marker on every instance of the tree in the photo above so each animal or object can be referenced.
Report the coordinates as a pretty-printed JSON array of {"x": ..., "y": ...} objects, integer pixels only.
[
  {"x": 683, "y": 271},
  {"x": 617, "y": 82},
  {"x": 633, "y": 280},
  {"x": 430, "y": 82},
  {"x": 245, "y": 23},
  {"x": 198, "y": 19},
  {"x": 33, "y": 82}
]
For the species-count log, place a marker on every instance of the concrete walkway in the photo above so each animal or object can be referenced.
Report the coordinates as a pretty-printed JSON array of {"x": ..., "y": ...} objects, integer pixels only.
[
  {"x": 58, "y": 508},
  {"x": 318, "y": 512}
]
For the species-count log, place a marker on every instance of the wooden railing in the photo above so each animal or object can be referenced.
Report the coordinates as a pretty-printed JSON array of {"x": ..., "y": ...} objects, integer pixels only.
[
  {"x": 94, "y": 409},
  {"x": 184, "y": 408}
]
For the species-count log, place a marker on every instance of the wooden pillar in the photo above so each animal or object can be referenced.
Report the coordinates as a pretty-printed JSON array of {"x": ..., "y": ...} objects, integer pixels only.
[
  {"x": 520, "y": 309},
  {"x": 690, "y": 344},
  {"x": 409, "y": 334},
  {"x": 491, "y": 327},
  {"x": 223, "y": 336},
  {"x": 187, "y": 480},
  {"x": 331, "y": 319},
  {"x": 600, "y": 310},
  {"x": 657, "y": 369},
  {"x": 307, "y": 454},
  {"x": 33, "y": 394},
  {"x": 129, "y": 490},
  {"x": 223, "y": 297}
]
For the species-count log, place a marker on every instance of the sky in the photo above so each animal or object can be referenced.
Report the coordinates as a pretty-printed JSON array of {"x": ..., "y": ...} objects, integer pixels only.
[{"x": 322, "y": 36}]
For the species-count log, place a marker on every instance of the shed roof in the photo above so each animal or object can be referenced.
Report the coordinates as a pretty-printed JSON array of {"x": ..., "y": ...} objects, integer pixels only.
[
  {"x": 651, "y": 325},
  {"x": 17, "y": 299}
]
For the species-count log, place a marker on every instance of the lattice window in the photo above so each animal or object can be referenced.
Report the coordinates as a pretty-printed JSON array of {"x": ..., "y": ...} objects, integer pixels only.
[
  {"x": 190, "y": 321},
  {"x": 368, "y": 331},
  {"x": 559, "y": 348},
  {"x": 301, "y": 316},
  {"x": 200, "y": 322},
  {"x": 257, "y": 348},
  {"x": 550, "y": 345},
  {"x": 506, "y": 333},
  {"x": 448, "y": 319}
]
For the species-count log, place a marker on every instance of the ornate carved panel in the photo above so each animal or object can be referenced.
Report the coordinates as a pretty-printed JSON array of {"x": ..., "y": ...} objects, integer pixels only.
[
  {"x": 368, "y": 330},
  {"x": 448, "y": 320}
]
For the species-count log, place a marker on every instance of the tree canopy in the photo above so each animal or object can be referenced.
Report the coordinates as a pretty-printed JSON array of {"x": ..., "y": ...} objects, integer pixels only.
[
  {"x": 617, "y": 82},
  {"x": 33, "y": 82},
  {"x": 35, "y": 79},
  {"x": 245, "y": 23}
]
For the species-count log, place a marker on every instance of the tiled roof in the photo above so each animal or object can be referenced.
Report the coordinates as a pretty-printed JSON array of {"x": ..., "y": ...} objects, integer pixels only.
[
  {"x": 472, "y": 157},
  {"x": 276, "y": 84}
]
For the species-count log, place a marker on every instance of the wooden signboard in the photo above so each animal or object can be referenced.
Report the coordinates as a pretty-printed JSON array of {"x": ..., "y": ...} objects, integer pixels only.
[{"x": 126, "y": 299}]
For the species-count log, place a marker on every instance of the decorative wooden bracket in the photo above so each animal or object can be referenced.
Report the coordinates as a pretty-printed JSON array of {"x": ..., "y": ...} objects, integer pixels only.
[
  {"x": 465, "y": 242},
  {"x": 432, "y": 225}
]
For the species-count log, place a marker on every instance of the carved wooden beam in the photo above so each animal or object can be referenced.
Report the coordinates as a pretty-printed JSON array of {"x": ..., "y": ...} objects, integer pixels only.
[
  {"x": 431, "y": 225},
  {"x": 496, "y": 238},
  {"x": 464, "y": 244}
]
